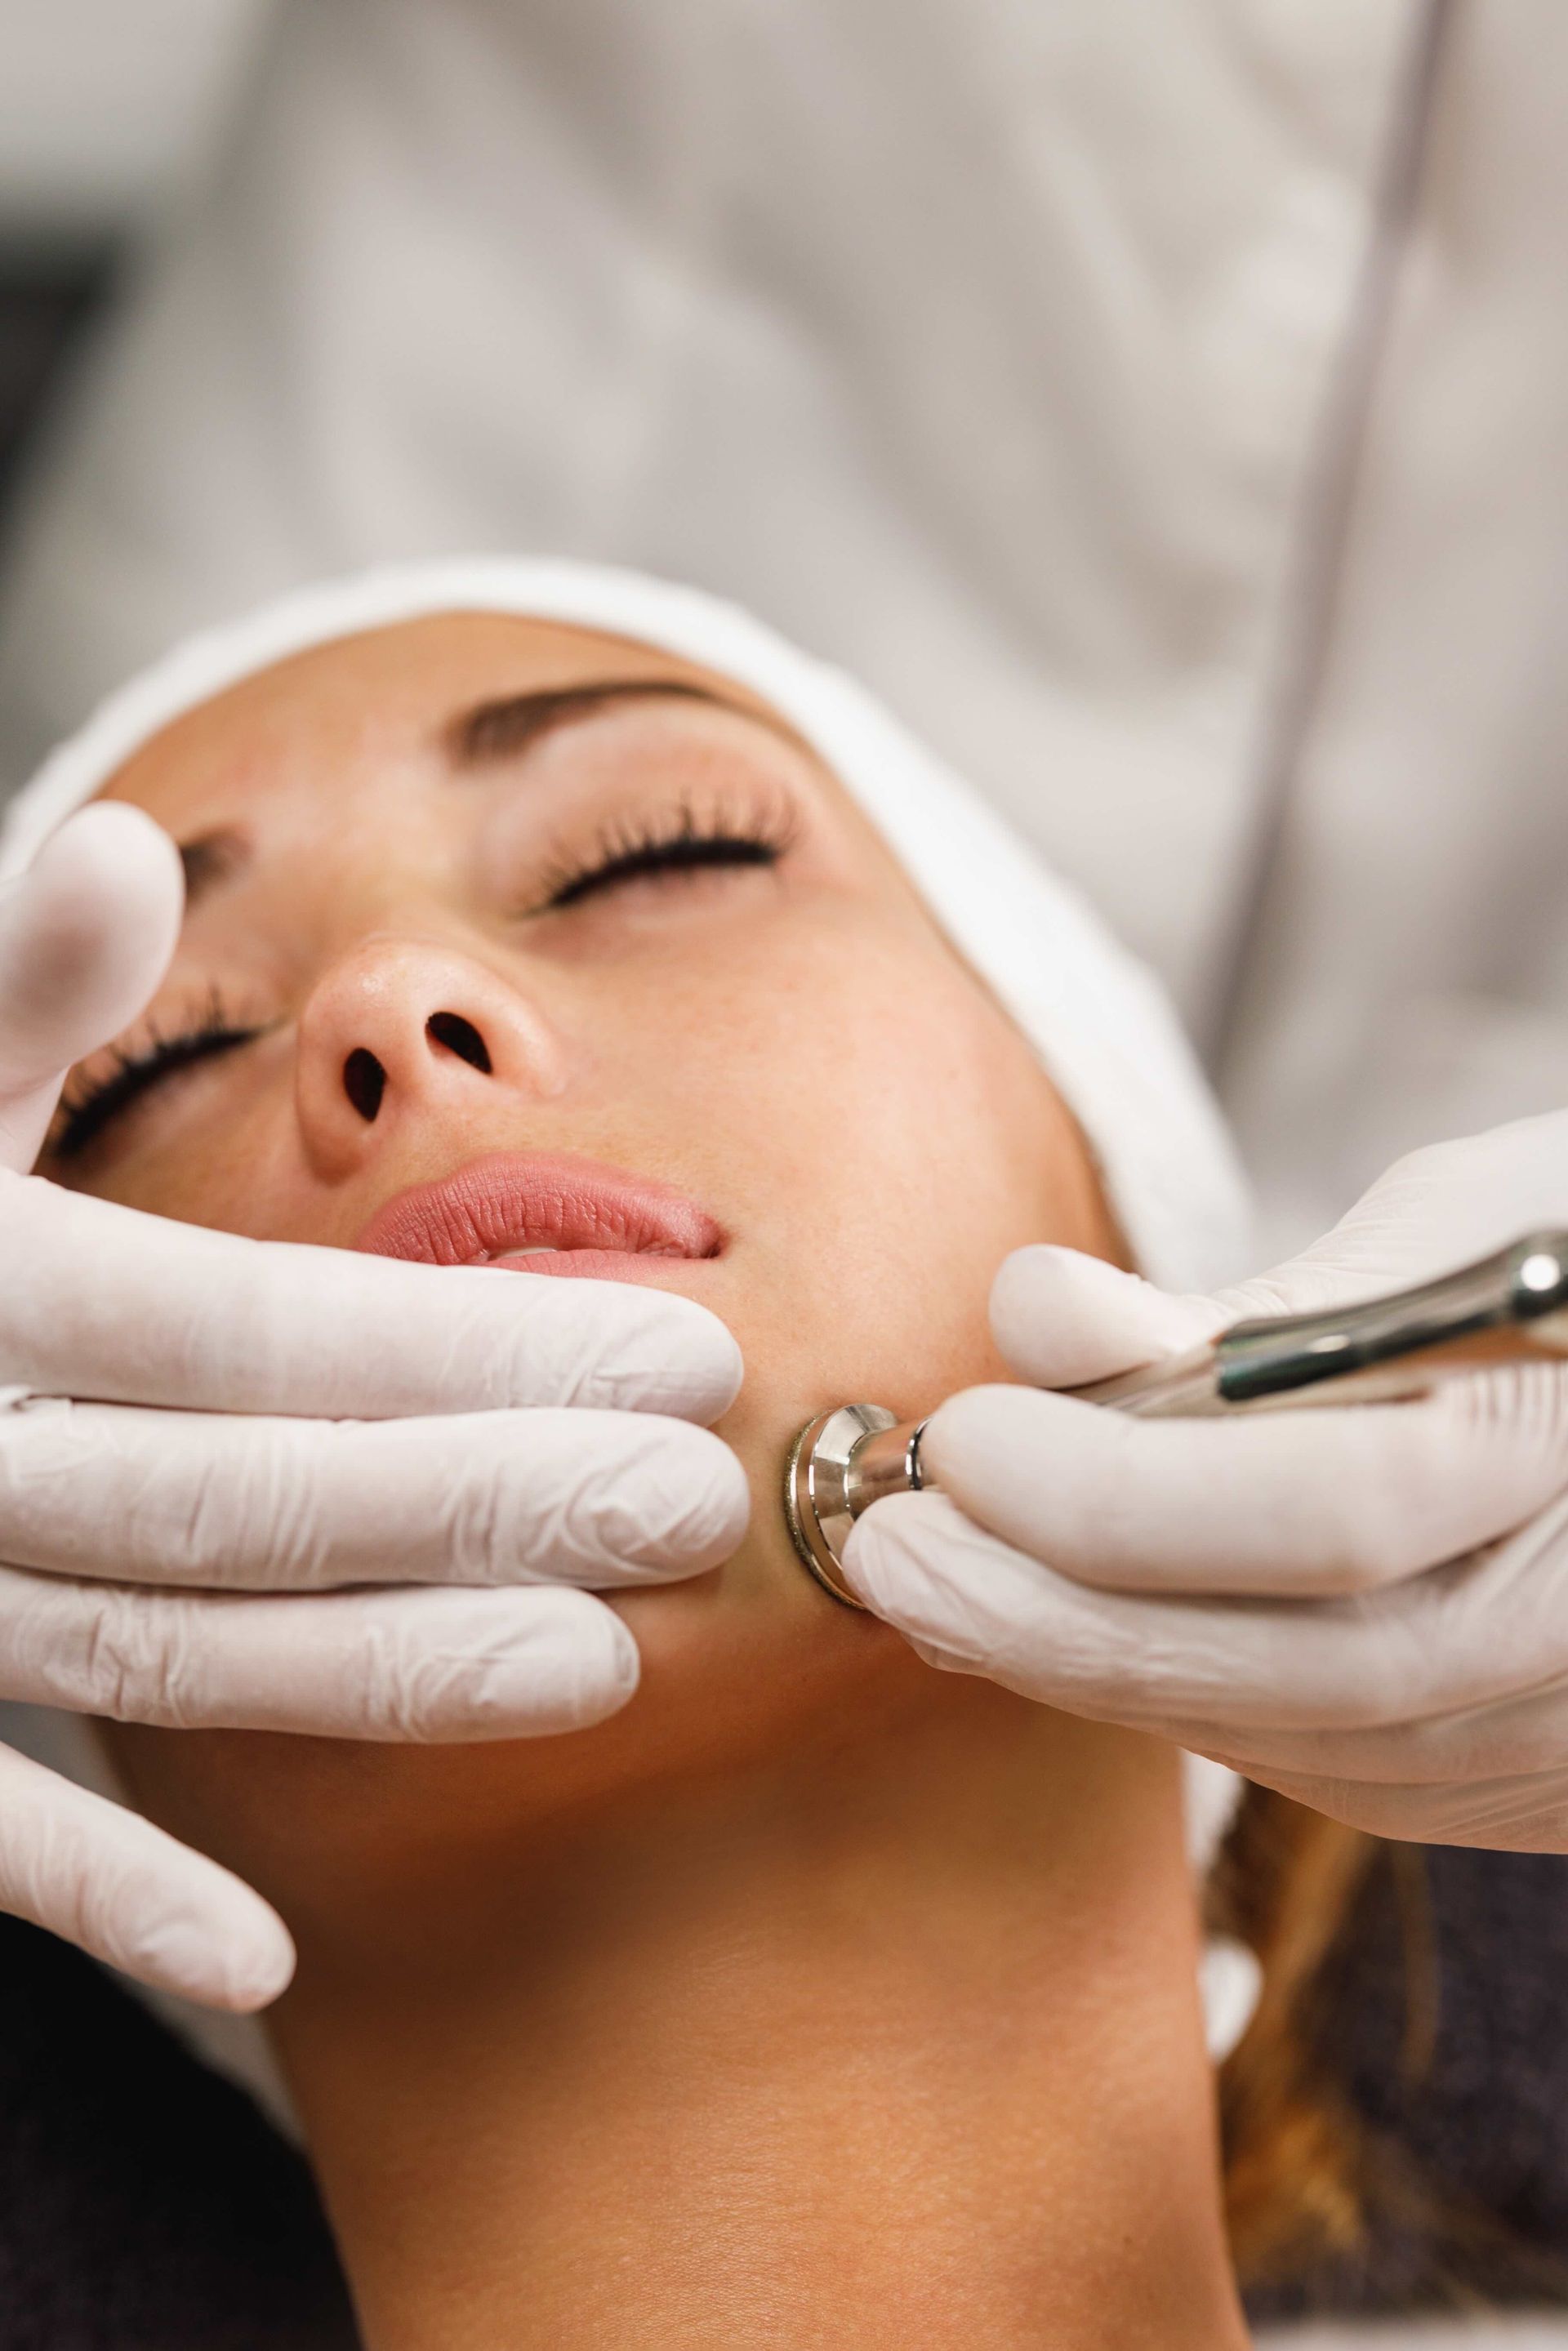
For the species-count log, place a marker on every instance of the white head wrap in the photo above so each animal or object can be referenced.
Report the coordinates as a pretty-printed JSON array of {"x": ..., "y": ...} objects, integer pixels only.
[{"x": 1098, "y": 1021}]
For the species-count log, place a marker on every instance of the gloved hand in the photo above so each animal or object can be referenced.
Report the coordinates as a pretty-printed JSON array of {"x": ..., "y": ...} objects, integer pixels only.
[
  {"x": 224, "y": 1498},
  {"x": 1366, "y": 1607}
]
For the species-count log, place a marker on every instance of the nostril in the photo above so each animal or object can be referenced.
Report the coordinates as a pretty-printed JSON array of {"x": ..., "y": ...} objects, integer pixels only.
[
  {"x": 364, "y": 1082},
  {"x": 459, "y": 1036}
]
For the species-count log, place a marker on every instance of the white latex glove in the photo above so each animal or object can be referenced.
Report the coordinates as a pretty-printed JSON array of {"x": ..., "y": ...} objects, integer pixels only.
[
  {"x": 1366, "y": 1607},
  {"x": 206, "y": 1443}
]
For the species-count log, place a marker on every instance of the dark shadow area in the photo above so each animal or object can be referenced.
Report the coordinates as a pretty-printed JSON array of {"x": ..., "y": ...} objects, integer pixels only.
[
  {"x": 48, "y": 299},
  {"x": 145, "y": 2204}
]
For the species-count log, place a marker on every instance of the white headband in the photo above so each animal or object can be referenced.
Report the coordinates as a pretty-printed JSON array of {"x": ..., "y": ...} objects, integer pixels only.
[{"x": 1097, "y": 1019}]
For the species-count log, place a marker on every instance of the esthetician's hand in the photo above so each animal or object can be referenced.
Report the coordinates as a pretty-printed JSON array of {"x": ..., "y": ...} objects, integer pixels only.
[
  {"x": 226, "y": 1497},
  {"x": 1364, "y": 1607}
]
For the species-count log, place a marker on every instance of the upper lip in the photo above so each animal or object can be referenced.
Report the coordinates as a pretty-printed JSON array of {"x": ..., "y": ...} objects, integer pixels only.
[{"x": 514, "y": 1201}]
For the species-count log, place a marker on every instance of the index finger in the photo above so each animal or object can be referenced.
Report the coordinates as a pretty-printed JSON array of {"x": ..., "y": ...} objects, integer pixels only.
[
  {"x": 1321, "y": 1502},
  {"x": 105, "y": 1302},
  {"x": 1206, "y": 1674}
]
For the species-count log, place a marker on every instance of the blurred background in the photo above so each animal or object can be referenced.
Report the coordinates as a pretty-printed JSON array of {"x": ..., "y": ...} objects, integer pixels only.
[{"x": 106, "y": 112}]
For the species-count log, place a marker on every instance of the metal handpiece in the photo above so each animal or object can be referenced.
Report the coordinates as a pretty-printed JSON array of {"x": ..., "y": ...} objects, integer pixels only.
[{"x": 1507, "y": 1309}]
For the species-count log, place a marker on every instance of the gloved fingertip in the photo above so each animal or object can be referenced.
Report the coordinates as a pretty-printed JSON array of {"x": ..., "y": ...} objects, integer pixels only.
[
  {"x": 259, "y": 1972},
  {"x": 624, "y": 1666},
  {"x": 952, "y": 1589},
  {"x": 966, "y": 1422},
  {"x": 112, "y": 833},
  {"x": 581, "y": 1672},
  {"x": 690, "y": 1509},
  {"x": 113, "y": 864},
  {"x": 234, "y": 1954},
  {"x": 666, "y": 1354},
  {"x": 716, "y": 1369},
  {"x": 886, "y": 1569},
  {"x": 86, "y": 935},
  {"x": 726, "y": 1511},
  {"x": 1061, "y": 1318}
]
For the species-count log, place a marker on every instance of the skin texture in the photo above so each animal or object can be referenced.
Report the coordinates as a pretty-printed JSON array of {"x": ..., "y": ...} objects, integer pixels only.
[{"x": 816, "y": 1997}]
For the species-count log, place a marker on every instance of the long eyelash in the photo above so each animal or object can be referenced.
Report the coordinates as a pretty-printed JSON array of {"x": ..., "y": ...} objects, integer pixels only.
[
  {"x": 681, "y": 842},
  {"x": 84, "y": 1112}
]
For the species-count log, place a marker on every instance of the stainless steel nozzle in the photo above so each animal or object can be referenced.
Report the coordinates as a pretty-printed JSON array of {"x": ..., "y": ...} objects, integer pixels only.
[
  {"x": 1509, "y": 1308},
  {"x": 841, "y": 1464}
]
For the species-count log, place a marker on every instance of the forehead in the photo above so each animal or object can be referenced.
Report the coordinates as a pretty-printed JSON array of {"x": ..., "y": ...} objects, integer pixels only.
[{"x": 390, "y": 695}]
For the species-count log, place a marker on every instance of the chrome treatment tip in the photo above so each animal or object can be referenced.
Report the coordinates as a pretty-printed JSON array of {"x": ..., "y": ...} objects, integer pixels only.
[{"x": 839, "y": 1464}]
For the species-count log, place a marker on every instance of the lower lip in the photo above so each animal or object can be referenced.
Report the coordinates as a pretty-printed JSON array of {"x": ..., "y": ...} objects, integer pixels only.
[{"x": 549, "y": 1214}]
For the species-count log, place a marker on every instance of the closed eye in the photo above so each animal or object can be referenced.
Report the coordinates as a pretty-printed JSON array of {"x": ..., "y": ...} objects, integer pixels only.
[
  {"x": 636, "y": 852},
  {"x": 93, "y": 1103}
]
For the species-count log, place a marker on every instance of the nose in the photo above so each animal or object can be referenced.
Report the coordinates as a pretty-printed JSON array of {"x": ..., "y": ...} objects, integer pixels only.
[
  {"x": 398, "y": 1032},
  {"x": 365, "y": 1073}
]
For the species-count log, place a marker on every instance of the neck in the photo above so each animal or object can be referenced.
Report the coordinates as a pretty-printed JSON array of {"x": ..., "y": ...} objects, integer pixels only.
[{"x": 898, "y": 2042}]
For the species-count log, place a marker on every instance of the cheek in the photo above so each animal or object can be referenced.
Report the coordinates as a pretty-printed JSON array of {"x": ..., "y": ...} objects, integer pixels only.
[
  {"x": 955, "y": 1151},
  {"x": 882, "y": 1138},
  {"x": 240, "y": 1173}
]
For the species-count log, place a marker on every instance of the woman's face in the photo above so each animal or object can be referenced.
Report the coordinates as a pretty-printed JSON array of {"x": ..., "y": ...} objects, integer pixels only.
[{"x": 478, "y": 894}]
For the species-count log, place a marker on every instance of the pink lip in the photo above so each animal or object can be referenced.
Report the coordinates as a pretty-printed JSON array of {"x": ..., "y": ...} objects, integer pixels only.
[{"x": 595, "y": 1221}]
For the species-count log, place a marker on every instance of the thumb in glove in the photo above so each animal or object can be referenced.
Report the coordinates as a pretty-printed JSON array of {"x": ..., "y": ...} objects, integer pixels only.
[
  {"x": 86, "y": 935},
  {"x": 1060, "y": 1319}
]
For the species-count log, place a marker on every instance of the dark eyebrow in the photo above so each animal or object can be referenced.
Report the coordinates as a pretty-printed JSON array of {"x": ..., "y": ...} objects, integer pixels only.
[
  {"x": 209, "y": 859},
  {"x": 514, "y": 723}
]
